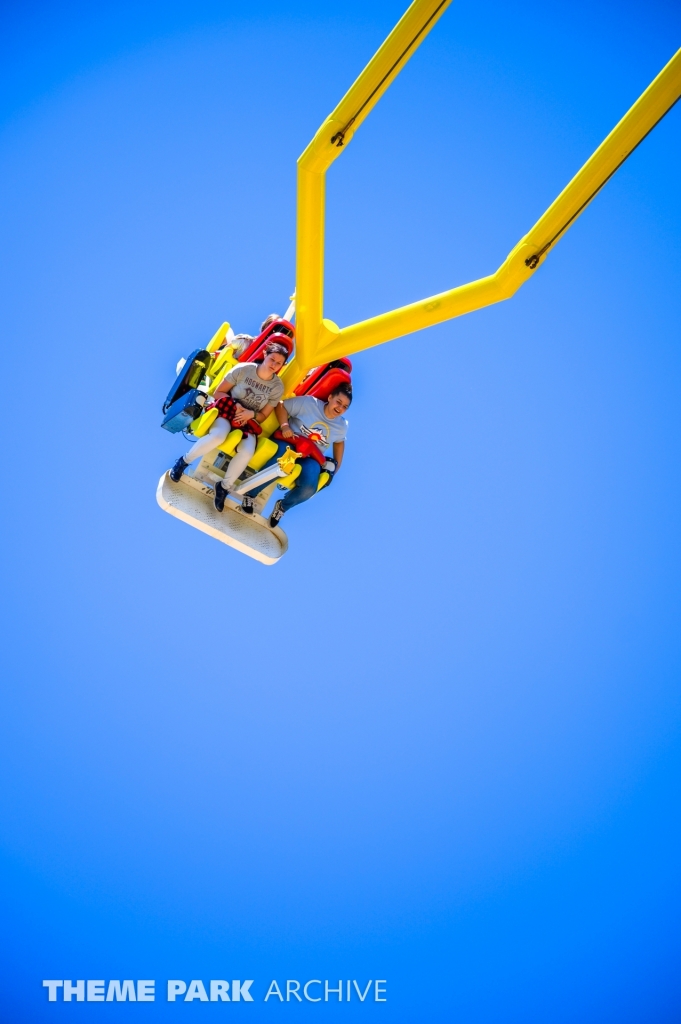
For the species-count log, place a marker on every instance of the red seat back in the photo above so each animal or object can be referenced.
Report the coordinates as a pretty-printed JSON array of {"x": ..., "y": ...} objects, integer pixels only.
[
  {"x": 322, "y": 380},
  {"x": 280, "y": 331}
]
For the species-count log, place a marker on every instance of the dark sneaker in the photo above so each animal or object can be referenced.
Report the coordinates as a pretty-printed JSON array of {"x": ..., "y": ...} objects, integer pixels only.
[
  {"x": 219, "y": 498},
  {"x": 178, "y": 469},
  {"x": 247, "y": 504},
  {"x": 278, "y": 513}
]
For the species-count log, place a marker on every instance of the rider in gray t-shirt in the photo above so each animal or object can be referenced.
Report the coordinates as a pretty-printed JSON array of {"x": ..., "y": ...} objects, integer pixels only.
[
  {"x": 324, "y": 424},
  {"x": 256, "y": 389},
  {"x": 307, "y": 416},
  {"x": 249, "y": 388}
]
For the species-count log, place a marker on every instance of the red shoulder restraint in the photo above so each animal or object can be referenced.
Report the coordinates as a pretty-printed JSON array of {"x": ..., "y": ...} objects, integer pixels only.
[{"x": 308, "y": 449}]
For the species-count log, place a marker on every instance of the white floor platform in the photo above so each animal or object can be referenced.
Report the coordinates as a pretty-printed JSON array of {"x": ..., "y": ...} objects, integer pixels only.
[{"x": 192, "y": 501}]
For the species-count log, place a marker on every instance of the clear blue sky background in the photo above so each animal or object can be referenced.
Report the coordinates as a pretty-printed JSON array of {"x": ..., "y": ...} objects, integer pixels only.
[{"x": 439, "y": 742}]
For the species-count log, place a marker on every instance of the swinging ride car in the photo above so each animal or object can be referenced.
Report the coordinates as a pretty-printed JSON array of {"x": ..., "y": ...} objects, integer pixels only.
[{"x": 319, "y": 347}]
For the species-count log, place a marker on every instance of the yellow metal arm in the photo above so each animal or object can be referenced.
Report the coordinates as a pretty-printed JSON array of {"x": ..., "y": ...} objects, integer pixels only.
[
  {"x": 639, "y": 121},
  {"x": 328, "y": 143},
  {"x": 320, "y": 340}
]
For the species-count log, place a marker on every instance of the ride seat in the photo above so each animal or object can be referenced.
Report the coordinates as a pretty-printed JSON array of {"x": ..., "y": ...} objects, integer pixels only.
[
  {"x": 285, "y": 333},
  {"x": 189, "y": 377},
  {"x": 321, "y": 381},
  {"x": 265, "y": 448},
  {"x": 224, "y": 362},
  {"x": 330, "y": 380}
]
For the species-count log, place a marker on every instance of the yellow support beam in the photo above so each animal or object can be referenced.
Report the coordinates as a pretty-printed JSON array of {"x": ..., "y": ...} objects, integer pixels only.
[
  {"x": 335, "y": 133},
  {"x": 320, "y": 340}
]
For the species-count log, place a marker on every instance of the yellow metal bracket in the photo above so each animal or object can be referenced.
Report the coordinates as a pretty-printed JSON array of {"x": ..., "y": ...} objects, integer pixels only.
[
  {"x": 287, "y": 461},
  {"x": 319, "y": 340}
]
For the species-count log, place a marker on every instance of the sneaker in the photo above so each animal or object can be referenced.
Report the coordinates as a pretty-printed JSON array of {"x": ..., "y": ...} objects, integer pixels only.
[
  {"x": 219, "y": 497},
  {"x": 278, "y": 513},
  {"x": 247, "y": 504},
  {"x": 178, "y": 469}
]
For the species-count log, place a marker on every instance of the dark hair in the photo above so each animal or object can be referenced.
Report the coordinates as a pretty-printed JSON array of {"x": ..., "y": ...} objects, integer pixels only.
[
  {"x": 341, "y": 389},
  {"x": 275, "y": 348}
]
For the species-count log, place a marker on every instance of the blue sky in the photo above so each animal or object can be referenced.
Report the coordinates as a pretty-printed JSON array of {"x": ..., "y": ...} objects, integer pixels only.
[{"x": 438, "y": 743}]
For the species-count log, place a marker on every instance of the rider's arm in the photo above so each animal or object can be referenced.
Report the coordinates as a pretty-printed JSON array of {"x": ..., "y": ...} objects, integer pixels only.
[
  {"x": 261, "y": 416},
  {"x": 338, "y": 449},
  {"x": 223, "y": 387},
  {"x": 282, "y": 416}
]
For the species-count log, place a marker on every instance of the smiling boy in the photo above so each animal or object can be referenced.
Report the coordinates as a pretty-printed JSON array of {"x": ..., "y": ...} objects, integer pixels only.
[{"x": 321, "y": 423}]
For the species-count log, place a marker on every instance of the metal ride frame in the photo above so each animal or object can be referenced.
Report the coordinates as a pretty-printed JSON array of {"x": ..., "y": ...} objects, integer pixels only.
[{"x": 319, "y": 340}]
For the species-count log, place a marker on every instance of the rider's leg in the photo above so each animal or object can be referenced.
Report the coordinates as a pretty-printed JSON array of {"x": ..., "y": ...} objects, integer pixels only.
[
  {"x": 242, "y": 456},
  {"x": 281, "y": 448},
  {"x": 215, "y": 436},
  {"x": 306, "y": 484}
]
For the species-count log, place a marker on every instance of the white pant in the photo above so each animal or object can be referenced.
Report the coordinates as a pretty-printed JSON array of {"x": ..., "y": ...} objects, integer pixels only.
[{"x": 213, "y": 439}]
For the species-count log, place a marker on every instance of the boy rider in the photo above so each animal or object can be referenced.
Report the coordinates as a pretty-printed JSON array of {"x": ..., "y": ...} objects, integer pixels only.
[{"x": 319, "y": 425}]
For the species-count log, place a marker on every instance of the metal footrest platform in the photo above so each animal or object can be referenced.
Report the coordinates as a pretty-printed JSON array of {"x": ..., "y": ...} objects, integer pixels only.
[{"x": 192, "y": 501}]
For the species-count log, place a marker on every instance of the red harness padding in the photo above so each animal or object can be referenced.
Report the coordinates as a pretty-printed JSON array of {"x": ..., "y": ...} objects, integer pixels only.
[
  {"x": 226, "y": 408},
  {"x": 307, "y": 448}
]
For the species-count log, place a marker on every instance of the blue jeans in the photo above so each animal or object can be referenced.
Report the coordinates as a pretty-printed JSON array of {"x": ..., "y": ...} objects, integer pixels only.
[{"x": 306, "y": 484}]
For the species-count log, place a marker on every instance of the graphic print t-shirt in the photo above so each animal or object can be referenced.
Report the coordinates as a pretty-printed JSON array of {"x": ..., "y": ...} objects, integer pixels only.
[
  {"x": 250, "y": 390},
  {"x": 306, "y": 417}
]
